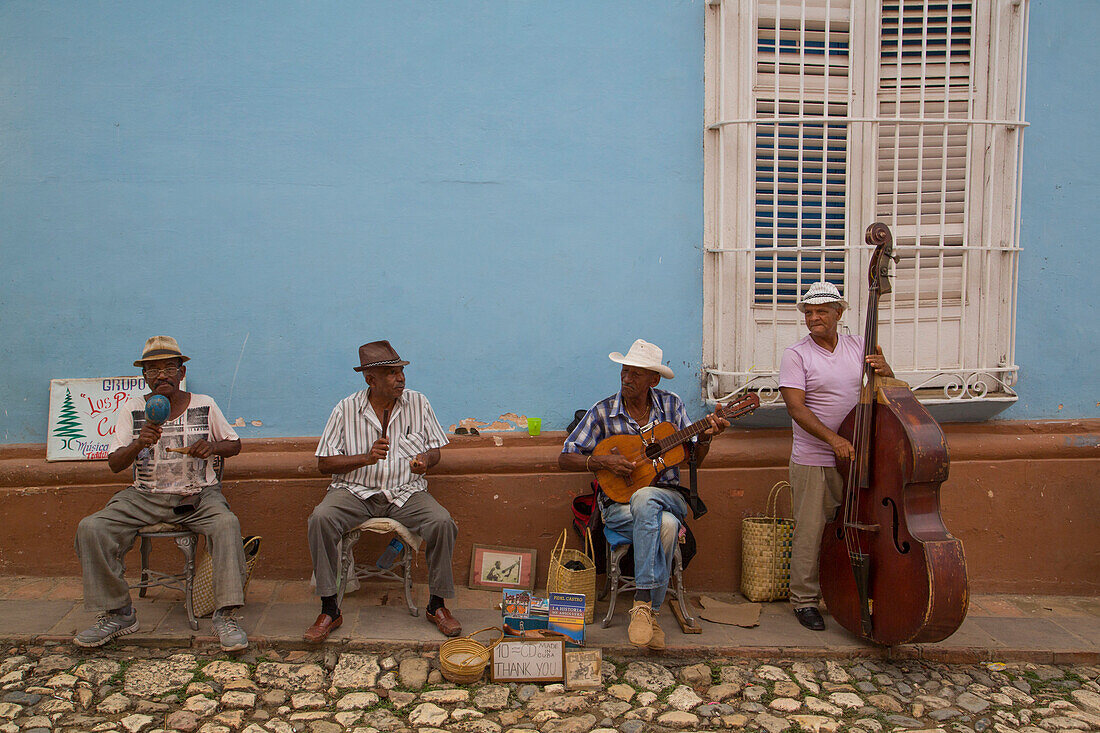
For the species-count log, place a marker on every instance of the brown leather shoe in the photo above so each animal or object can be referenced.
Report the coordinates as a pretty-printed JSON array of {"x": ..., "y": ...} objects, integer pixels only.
[
  {"x": 322, "y": 627},
  {"x": 446, "y": 623}
]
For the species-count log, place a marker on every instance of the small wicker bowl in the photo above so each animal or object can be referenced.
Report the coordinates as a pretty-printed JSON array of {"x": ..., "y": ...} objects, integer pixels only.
[{"x": 463, "y": 660}]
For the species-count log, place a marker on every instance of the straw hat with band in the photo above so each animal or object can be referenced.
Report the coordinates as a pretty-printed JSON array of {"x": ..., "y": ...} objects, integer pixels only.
[
  {"x": 160, "y": 347},
  {"x": 645, "y": 355},
  {"x": 822, "y": 293}
]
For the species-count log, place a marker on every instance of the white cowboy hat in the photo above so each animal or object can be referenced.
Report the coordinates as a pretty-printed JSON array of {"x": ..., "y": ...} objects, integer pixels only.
[
  {"x": 645, "y": 355},
  {"x": 822, "y": 293}
]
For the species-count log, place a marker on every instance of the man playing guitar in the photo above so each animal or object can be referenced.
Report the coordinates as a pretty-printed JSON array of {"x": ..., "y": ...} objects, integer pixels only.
[{"x": 653, "y": 515}]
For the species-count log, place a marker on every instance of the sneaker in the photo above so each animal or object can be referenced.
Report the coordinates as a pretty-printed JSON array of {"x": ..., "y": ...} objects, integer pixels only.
[
  {"x": 107, "y": 626},
  {"x": 657, "y": 641},
  {"x": 230, "y": 634},
  {"x": 640, "y": 631}
]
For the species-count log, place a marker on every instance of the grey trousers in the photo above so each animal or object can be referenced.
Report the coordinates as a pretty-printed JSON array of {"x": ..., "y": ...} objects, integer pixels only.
[
  {"x": 817, "y": 492},
  {"x": 104, "y": 537},
  {"x": 342, "y": 510}
]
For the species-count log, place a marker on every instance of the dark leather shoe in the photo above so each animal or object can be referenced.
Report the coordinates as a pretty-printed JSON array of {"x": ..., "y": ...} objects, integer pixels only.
[
  {"x": 445, "y": 622},
  {"x": 322, "y": 627},
  {"x": 810, "y": 617}
]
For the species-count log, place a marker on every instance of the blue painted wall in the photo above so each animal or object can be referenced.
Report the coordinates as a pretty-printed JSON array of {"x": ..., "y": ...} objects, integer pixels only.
[
  {"x": 502, "y": 189},
  {"x": 1057, "y": 344},
  {"x": 505, "y": 190}
]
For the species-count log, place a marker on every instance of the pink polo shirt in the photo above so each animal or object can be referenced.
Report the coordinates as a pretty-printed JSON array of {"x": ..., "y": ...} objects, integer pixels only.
[{"x": 831, "y": 382}]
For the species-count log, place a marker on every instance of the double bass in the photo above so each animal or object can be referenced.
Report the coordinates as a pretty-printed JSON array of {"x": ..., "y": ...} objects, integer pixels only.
[{"x": 890, "y": 571}]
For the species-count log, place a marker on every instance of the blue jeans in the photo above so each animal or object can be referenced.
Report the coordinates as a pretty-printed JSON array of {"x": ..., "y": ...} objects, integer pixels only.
[{"x": 653, "y": 518}]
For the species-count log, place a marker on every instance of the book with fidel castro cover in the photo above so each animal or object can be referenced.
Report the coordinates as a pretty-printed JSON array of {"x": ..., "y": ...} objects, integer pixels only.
[{"x": 567, "y": 616}]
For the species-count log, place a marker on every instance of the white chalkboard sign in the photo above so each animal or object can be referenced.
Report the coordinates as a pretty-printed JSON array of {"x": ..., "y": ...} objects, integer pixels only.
[{"x": 528, "y": 661}]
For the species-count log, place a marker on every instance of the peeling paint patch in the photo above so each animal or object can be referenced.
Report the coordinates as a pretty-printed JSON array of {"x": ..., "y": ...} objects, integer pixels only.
[
  {"x": 506, "y": 423},
  {"x": 498, "y": 441},
  {"x": 240, "y": 423}
]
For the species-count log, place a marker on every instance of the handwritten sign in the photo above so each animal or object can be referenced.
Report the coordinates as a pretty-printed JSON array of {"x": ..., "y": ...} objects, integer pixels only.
[
  {"x": 528, "y": 661},
  {"x": 83, "y": 413}
]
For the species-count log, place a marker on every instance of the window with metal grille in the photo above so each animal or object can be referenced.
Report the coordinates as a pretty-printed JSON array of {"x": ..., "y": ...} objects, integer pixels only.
[{"x": 823, "y": 116}]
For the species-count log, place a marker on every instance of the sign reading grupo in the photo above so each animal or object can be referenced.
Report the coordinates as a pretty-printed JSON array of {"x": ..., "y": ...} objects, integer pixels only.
[{"x": 83, "y": 414}]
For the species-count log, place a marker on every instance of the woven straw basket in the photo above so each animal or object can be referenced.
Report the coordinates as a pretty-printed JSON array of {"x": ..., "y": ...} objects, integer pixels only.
[
  {"x": 202, "y": 590},
  {"x": 463, "y": 660},
  {"x": 766, "y": 552},
  {"x": 567, "y": 580}
]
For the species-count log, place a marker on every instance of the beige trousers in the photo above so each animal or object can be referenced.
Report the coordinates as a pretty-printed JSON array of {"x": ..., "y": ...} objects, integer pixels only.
[
  {"x": 342, "y": 510},
  {"x": 104, "y": 537},
  {"x": 817, "y": 492}
]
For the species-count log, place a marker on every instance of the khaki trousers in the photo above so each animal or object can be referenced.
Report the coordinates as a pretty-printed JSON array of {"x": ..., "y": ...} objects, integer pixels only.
[
  {"x": 342, "y": 510},
  {"x": 817, "y": 492},
  {"x": 104, "y": 537}
]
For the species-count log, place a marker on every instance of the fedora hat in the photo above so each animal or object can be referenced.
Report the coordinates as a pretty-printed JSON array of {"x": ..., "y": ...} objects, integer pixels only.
[
  {"x": 645, "y": 355},
  {"x": 160, "y": 347},
  {"x": 821, "y": 293},
  {"x": 378, "y": 353}
]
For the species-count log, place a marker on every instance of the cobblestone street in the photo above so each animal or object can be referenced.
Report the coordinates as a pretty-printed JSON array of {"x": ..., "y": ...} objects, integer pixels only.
[{"x": 141, "y": 690}]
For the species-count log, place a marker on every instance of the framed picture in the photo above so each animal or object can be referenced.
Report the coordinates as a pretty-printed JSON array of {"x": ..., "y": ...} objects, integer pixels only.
[
  {"x": 495, "y": 568},
  {"x": 582, "y": 669}
]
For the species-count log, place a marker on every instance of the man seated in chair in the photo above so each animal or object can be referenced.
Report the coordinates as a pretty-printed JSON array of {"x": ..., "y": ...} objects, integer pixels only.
[
  {"x": 377, "y": 445},
  {"x": 654, "y": 515},
  {"x": 180, "y": 487}
]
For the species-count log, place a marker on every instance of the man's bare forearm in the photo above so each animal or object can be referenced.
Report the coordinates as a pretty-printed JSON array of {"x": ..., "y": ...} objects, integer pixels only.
[
  {"x": 574, "y": 462},
  {"x": 124, "y": 457},
  {"x": 342, "y": 464},
  {"x": 431, "y": 457},
  {"x": 810, "y": 422},
  {"x": 227, "y": 448}
]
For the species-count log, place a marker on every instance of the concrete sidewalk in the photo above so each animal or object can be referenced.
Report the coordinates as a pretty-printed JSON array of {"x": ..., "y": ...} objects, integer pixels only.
[{"x": 1042, "y": 629}]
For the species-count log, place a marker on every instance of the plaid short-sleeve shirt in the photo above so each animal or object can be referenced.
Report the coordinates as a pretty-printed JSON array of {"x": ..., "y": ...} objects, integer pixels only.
[
  {"x": 609, "y": 417},
  {"x": 352, "y": 429}
]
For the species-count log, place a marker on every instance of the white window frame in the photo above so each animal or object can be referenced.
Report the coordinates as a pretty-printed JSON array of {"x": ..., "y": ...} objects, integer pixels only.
[{"x": 955, "y": 344}]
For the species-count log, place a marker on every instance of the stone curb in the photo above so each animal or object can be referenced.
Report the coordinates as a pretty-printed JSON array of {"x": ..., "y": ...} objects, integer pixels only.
[{"x": 930, "y": 653}]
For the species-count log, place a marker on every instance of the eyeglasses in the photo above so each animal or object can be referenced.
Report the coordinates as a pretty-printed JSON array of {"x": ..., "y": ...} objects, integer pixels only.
[{"x": 168, "y": 371}]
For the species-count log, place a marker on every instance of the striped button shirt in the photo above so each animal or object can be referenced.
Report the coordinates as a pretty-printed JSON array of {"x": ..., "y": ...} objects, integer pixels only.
[
  {"x": 609, "y": 417},
  {"x": 352, "y": 429}
]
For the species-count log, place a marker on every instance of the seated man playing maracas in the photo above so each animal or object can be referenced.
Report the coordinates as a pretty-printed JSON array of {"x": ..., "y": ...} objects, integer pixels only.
[{"x": 174, "y": 481}]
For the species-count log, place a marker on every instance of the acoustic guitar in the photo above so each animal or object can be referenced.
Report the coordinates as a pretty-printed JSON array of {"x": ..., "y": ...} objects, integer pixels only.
[{"x": 659, "y": 447}]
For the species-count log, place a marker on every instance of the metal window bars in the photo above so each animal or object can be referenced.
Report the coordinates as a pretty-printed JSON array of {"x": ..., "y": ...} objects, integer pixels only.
[{"x": 837, "y": 113}]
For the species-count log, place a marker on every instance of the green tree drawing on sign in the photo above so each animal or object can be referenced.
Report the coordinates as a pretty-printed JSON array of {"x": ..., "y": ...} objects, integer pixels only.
[{"x": 68, "y": 424}]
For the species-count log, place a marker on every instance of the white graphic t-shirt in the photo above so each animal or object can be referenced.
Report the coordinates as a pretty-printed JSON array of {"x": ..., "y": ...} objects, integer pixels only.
[{"x": 158, "y": 471}]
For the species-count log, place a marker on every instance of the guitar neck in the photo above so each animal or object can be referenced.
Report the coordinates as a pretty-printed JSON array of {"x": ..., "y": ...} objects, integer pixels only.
[{"x": 728, "y": 412}]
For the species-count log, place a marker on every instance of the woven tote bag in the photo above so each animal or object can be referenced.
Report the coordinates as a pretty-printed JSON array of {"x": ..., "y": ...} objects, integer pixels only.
[
  {"x": 562, "y": 579},
  {"x": 202, "y": 590},
  {"x": 766, "y": 551}
]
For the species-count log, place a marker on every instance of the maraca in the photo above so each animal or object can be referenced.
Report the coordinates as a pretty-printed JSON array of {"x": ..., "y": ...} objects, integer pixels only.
[{"x": 157, "y": 409}]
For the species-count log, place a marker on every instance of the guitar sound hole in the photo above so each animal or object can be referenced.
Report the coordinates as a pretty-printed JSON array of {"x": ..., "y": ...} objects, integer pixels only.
[{"x": 652, "y": 451}]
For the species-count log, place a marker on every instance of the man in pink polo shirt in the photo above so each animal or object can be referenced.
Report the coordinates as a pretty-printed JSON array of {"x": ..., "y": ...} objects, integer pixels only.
[{"x": 819, "y": 379}]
